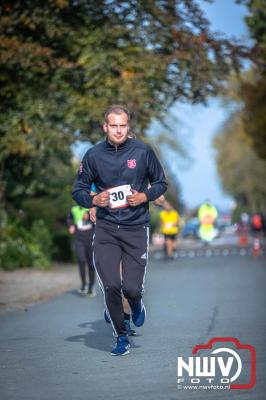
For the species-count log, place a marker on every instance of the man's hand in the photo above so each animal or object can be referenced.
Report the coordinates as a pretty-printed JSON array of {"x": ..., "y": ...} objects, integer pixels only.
[
  {"x": 93, "y": 214},
  {"x": 160, "y": 201},
  {"x": 136, "y": 198},
  {"x": 101, "y": 199},
  {"x": 72, "y": 229}
]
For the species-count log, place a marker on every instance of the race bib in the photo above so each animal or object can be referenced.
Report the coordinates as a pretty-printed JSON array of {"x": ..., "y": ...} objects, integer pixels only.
[
  {"x": 84, "y": 226},
  {"x": 118, "y": 196},
  {"x": 169, "y": 225}
]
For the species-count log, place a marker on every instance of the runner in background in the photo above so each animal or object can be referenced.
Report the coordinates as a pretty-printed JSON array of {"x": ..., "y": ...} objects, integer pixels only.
[
  {"x": 257, "y": 224},
  {"x": 207, "y": 215},
  {"x": 80, "y": 226},
  {"x": 170, "y": 220},
  {"x": 243, "y": 228}
]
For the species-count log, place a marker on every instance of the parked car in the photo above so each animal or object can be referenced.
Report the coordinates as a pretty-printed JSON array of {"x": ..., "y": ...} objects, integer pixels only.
[
  {"x": 223, "y": 222},
  {"x": 190, "y": 229}
]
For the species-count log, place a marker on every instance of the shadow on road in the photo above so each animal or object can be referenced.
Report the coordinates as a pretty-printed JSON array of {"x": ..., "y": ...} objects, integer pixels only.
[
  {"x": 99, "y": 337},
  {"x": 77, "y": 294}
]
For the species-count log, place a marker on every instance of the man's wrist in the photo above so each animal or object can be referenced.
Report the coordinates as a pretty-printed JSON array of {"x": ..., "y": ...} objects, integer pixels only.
[{"x": 145, "y": 197}]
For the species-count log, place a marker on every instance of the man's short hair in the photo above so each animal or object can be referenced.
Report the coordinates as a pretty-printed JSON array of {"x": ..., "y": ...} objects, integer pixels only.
[{"x": 116, "y": 109}]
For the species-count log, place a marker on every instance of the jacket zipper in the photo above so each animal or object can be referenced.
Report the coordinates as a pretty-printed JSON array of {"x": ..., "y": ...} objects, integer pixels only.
[{"x": 119, "y": 175}]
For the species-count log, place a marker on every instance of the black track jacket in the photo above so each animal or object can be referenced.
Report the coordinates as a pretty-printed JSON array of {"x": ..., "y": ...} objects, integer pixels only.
[{"x": 132, "y": 163}]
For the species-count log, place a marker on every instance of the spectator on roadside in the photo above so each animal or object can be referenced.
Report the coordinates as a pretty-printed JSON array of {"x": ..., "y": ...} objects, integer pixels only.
[{"x": 257, "y": 224}]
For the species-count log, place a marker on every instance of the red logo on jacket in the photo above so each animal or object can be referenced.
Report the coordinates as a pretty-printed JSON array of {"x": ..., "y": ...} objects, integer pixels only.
[{"x": 131, "y": 163}]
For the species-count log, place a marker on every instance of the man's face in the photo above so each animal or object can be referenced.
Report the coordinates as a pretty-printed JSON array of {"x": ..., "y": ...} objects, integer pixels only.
[{"x": 116, "y": 128}]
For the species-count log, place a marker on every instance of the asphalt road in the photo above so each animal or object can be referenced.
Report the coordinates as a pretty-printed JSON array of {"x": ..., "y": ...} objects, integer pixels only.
[{"x": 60, "y": 349}]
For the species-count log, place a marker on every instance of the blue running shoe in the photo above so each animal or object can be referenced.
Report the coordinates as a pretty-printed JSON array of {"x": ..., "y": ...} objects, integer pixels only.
[
  {"x": 122, "y": 346},
  {"x": 106, "y": 317},
  {"x": 138, "y": 314},
  {"x": 130, "y": 331}
]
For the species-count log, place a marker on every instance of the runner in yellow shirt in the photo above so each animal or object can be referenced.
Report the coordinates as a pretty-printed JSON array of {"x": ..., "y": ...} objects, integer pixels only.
[{"x": 169, "y": 219}]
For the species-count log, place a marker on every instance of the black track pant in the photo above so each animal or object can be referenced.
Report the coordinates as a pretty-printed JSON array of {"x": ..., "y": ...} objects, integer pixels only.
[
  {"x": 114, "y": 244},
  {"x": 83, "y": 246}
]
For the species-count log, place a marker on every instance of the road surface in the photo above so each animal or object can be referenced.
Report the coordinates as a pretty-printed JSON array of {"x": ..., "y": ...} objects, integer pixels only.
[{"x": 60, "y": 349}]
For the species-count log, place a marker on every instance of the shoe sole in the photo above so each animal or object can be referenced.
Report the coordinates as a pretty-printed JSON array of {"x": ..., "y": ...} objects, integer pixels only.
[{"x": 122, "y": 354}]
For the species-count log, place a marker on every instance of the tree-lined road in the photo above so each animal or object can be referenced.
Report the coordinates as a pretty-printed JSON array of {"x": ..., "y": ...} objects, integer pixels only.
[{"x": 60, "y": 349}]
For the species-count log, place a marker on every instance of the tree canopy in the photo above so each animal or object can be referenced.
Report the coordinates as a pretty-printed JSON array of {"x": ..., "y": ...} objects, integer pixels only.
[
  {"x": 242, "y": 172},
  {"x": 62, "y": 62},
  {"x": 253, "y": 92}
]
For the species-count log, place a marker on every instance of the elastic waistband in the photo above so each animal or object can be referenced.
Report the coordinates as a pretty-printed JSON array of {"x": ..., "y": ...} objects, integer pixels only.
[{"x": 112, "y": 225}]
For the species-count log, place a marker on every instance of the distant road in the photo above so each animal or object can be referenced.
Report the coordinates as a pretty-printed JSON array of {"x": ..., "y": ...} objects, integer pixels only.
[{"x": 225, "y": 245}]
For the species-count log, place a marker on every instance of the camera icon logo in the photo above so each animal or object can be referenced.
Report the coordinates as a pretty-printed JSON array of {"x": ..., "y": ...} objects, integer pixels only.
[{"x": 218, "y": 365}]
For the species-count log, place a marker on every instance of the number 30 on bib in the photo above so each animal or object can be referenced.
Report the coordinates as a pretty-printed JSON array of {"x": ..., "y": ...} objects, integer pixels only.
[{"x": 118, "y": 196}]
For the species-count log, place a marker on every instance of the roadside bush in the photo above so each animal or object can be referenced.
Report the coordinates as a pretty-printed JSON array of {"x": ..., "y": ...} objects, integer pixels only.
[
  {"x": 21, "y": 248},
  {"x": 154, "y": 219}
]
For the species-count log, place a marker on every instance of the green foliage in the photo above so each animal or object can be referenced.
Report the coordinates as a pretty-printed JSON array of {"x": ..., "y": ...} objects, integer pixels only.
[
  {"x": 254, "y": 112},
  {"x": 167, "y": 144},
  {"x": 21, "y": 247},
  {"x": 237, "y": 211},
  {"x": 253, "y": 93},
  {"x": 62, "y": 62},
  {"x": 243, "y": 174},
  {"x": 43, "y": 238},
  {"x": 256, "y": 21},
  {"x": 154, "y": 219},
  {"x": 63, "y": 246}
]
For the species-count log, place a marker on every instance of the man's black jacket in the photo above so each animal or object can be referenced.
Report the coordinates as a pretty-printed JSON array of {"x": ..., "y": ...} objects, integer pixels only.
[{"x": 132, "y": 163}]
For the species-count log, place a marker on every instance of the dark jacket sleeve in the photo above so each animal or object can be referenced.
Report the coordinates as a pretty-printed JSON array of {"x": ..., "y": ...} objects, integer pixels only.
[
  {"x": 70, "y": 219},
  {"x": 156, "y": 176},
  {"x": 82, "y": 186}
]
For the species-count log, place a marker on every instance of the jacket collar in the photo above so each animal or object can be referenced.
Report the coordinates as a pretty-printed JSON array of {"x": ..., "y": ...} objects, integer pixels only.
[{"x": 111, "y": 147}]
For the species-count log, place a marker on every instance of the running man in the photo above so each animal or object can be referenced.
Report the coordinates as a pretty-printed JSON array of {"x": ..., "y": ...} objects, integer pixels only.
[
  {"x": 127, "y": 311},
  {"x": 121, "y": 169}
]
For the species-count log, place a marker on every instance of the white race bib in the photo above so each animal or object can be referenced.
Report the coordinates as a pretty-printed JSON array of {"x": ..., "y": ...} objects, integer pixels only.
[
  {"x": 84, "y": 227},
  {"x": 118, "y": 196},
  {"x": 169, "y": 225}
]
